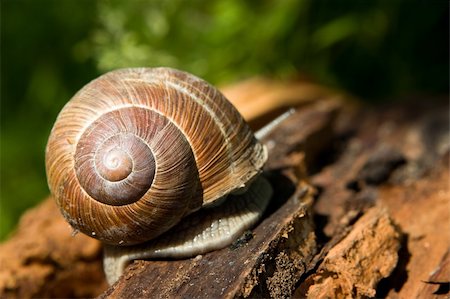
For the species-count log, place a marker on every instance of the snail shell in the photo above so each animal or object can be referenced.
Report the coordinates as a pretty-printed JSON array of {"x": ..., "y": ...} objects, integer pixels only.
[{"x": 136, "y": 150}]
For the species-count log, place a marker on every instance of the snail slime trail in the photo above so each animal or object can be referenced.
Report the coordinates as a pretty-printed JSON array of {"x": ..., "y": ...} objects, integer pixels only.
[{"x": 139, "y": 175}]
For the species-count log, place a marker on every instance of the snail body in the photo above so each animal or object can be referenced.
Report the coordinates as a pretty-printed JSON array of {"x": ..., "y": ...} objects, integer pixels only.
[
  {"x": 135, "y": 151},
  {"x": 203, "y": 231}
]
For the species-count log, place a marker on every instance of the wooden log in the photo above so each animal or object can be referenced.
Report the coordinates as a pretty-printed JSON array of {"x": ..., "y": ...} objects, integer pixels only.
[{"x": 378, "y": 177}]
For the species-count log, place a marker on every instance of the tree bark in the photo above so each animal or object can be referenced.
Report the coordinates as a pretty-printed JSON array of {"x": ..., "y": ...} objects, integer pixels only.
[{"x": 359, "y": 194}]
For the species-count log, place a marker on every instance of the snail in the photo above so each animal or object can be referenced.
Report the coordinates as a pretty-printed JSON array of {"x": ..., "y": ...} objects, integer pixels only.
[{"x": 155, "y": 163}]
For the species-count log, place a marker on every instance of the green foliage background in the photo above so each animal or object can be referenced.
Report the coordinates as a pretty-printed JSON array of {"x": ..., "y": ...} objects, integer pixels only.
[{"x": 49, "y": 49}]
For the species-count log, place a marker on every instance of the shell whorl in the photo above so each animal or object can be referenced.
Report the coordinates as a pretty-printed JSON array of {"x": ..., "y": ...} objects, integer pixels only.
[
  {"x": 136, "y": 150},
  {"x": 114, "y": 164}
]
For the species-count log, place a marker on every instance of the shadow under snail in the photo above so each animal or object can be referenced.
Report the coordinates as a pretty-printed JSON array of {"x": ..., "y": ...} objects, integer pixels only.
[{"x": 155, "y": 163}]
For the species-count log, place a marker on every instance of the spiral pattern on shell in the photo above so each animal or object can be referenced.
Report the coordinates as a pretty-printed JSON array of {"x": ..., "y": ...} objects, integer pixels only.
[{"x": 136, "y": 150}]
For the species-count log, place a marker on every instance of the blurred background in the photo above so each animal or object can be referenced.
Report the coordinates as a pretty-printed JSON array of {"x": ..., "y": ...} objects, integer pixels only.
[{"x": 378, "y": 50}]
